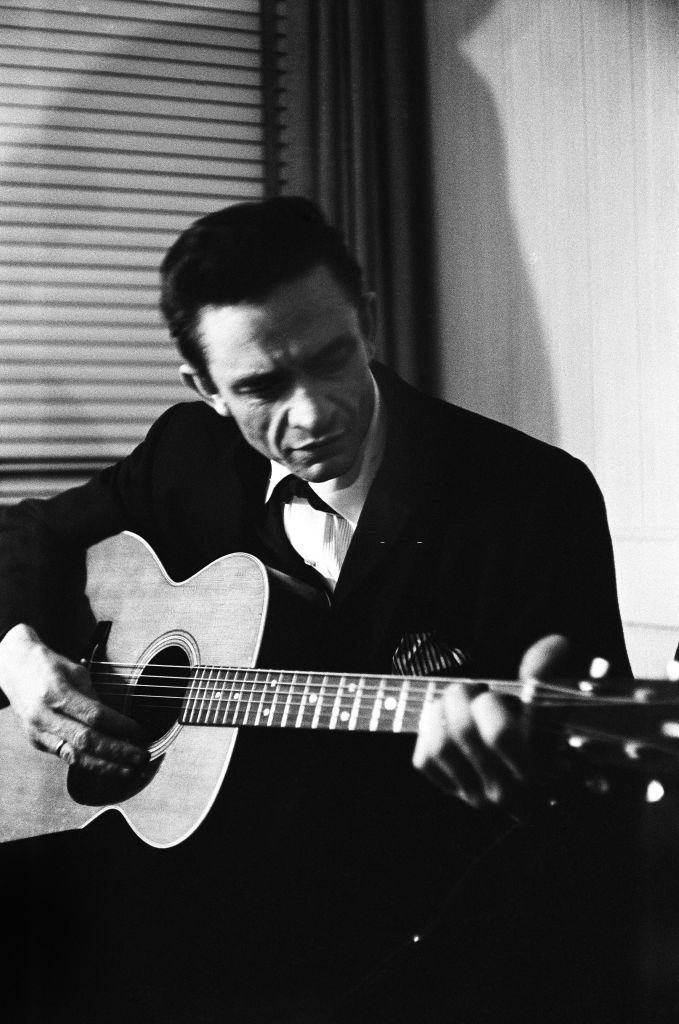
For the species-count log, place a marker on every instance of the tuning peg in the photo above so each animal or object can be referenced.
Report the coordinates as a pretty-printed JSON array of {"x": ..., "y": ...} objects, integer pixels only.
[
  {"x": 599, "y": 668},
  {"x": 655, "y": 791}
]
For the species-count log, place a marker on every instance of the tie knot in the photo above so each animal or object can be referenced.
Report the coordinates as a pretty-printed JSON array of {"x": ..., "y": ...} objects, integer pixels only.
[{"x": 292, "y": 487}]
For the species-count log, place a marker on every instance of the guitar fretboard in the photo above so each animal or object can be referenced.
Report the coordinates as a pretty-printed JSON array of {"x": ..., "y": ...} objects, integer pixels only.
[{"x": 299, "y": 700}]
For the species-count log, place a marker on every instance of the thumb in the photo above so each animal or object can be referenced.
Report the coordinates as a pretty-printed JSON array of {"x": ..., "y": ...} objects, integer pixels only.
[{"x": 547, "y": 658}]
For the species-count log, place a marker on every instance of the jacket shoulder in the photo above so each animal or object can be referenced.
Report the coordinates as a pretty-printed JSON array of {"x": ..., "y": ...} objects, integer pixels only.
[{"x": 446, "y": 435}]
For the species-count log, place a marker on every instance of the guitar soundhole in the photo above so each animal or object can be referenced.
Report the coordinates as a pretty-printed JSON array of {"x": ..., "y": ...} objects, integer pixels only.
[
  {"x": 158, "y": 697},
  {"x": 155, "y": 702}
]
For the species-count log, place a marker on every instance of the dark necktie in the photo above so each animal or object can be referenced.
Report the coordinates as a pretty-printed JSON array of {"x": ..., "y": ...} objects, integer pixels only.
[
  {"x": 271, "y": 542},
  {"x": 292, "y": 487}
]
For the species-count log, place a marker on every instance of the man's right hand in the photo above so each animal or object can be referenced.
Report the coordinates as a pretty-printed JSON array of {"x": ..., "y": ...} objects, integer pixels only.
[{"x": 55, "y": 703}]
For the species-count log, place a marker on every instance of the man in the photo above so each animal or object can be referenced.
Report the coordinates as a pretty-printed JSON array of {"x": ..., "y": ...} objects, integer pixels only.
[{"x": 447, "y": 542}]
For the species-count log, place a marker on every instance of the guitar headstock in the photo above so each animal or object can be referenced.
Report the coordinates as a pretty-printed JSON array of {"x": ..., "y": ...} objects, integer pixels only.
[{"x": 608, "y": 736}]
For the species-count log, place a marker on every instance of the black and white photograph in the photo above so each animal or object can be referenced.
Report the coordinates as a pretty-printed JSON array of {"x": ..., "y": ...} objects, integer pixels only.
[{"x": 339, "y": 511}]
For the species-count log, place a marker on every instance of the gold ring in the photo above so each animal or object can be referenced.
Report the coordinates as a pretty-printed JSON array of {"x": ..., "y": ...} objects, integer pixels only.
[{"x": 62, "y": 744}]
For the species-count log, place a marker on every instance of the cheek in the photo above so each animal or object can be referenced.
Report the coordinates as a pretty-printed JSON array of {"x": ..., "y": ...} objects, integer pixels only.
[{"x": 253, "y": 423}]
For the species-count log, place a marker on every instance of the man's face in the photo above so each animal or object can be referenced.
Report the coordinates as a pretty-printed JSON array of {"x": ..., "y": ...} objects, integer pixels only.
[{"x": 293, "y": 372}]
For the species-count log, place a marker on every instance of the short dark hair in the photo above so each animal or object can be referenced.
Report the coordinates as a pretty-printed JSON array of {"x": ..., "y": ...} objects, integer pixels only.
[{"x": 241, "y": 253}]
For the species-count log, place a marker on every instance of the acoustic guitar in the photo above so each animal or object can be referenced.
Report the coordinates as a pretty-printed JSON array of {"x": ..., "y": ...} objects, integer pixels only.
[{"x": 183, "y": 659}]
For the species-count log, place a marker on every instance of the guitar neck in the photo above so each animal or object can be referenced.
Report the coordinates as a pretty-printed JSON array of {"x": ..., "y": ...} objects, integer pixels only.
[{"x": 300, "y": 700}]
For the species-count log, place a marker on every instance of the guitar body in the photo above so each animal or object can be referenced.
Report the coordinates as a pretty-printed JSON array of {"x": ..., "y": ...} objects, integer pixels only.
[{"x": 217, "y": 616}]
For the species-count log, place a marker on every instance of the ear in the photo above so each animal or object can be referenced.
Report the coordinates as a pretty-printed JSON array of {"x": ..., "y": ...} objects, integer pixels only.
[
  {"x": 368, "y": 320},
  {"x": 204, "y": 388}
]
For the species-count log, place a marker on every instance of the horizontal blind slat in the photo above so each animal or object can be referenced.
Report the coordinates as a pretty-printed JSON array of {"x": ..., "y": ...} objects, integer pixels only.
[
  {"x": 234, "y": 73},
  {"x": 243, "y": 119},
  {"x": 145, "y": 10},
  {"x": 99, "y": 82},
  {"x": 209, "y": 33},
  {"x": 85, "y": 142},
  {"x": 191, "y": 8},
  {"x": 37, "y": 119},
  {"x": 127, "y": 181},
  {"x": 89, "y": 199},
  {"x": 125, "y": 48}
]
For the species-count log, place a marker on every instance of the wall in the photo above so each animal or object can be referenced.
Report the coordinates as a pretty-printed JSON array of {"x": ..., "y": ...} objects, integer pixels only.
[{"x": 555, "y": 140}]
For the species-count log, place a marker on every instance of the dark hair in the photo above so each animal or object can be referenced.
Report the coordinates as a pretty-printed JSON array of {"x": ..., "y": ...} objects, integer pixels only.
[{"x": 241, "y": 253}]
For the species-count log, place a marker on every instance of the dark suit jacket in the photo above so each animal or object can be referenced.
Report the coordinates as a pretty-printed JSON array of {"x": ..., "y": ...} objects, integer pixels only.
[{"x": 471, "y": 529}]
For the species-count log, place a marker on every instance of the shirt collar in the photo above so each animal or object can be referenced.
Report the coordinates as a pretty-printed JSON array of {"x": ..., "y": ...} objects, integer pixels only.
[{"x": 348, "y": 499}]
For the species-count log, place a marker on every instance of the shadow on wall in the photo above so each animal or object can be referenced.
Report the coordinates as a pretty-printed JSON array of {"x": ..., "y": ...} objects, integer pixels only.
[{"x": 492, "y": 355}]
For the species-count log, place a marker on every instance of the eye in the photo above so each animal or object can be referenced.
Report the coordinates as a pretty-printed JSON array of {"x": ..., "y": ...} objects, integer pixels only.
[
  {"x": 335, "y": 358},
  {"x": 260, "y": 387}
]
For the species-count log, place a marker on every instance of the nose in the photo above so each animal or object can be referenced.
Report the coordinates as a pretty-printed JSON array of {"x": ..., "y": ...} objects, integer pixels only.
[{"x": 309, "y": 410}]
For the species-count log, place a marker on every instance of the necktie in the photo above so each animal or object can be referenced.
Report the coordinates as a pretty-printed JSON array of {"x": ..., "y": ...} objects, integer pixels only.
[{"x": 292, "y": 487}]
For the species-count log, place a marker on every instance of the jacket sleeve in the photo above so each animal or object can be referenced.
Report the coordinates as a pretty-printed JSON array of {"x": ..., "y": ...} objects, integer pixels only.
[
  {"x": 568, "y": 570},
  {"x": 541, "y": 562},
  {"x": 42, "y": 542}
]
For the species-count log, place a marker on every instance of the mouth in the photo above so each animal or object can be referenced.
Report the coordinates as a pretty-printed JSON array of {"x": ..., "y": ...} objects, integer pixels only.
[{"x": 320, "y": 444}]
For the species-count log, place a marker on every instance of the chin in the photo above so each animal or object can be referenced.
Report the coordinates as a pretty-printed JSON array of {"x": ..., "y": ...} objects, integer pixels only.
[{"x": 319, "y": 472}]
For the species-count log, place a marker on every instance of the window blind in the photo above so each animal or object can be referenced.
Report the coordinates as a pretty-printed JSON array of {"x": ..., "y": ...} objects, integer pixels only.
[{"x": 119, "y": 124}]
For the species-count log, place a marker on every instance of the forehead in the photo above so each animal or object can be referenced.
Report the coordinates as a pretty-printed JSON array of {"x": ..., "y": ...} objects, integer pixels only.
[{"x": 292, "y": 323}]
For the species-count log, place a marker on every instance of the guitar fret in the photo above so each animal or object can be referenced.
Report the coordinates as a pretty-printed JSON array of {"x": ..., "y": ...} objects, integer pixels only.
[
  {"x": 319, "y": 704},
  {"x": 241, "y": 701},
  {"x": 356, "y": 706},
  {"x": 302, "y": 704},
  {"x": 272, "y": 707},
  {"x": 231, "y": 706},
  {"x": 377, "y": 707},
  {"x": 269, "y": 698},
  {"x": 336, "y": 704},
  {"x": 250, "y": 695},
  {"x": 413, "y": 714},
  {"x": 346, "y": 703},
  {"x": 193, "y": 696},
  {"x": 401, "y": 706},
  {"x": 261, "y": 698},
  {"x": 214, "y": 695},
  {"x": 288, "y": 699}
]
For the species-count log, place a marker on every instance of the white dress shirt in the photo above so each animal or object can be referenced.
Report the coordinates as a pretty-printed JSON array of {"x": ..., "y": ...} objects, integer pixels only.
[{"x": 322, "y": 539}]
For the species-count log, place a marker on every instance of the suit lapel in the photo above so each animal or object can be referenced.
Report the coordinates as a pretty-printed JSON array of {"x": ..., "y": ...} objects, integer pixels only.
[
  {"x": 383, "y": 522},
  {"x": 414, "y": 498}
]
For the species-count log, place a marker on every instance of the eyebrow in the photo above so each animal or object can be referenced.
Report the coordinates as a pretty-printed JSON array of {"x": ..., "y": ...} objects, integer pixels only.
[{"x": 270, "y": 376}]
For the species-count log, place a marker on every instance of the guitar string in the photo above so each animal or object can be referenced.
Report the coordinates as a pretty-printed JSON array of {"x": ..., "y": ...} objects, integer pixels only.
[
  {"x": 303, "y": 714},
  {"x": 389, "y": 685},
  {"x": 363, "y": 720},
  {"x": 350, "y": 676},
  {"x": 206, "y": 689}
]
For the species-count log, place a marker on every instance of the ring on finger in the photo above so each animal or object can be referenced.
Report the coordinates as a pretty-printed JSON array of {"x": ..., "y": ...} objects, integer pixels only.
[{"x": 60, "y": 747}]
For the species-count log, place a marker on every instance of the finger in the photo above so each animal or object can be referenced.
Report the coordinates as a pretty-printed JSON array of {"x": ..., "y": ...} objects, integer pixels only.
[
  {"x": 65, "y": 750},
  {"x": 91, "y": 712},
  {"x": 546, "y": 659},
  {"x": 85, "y": 742},
  {"x": 462, "y": 730},
  {"x": 503, "y": 729},
  {"x": 436, "y": 756}
]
